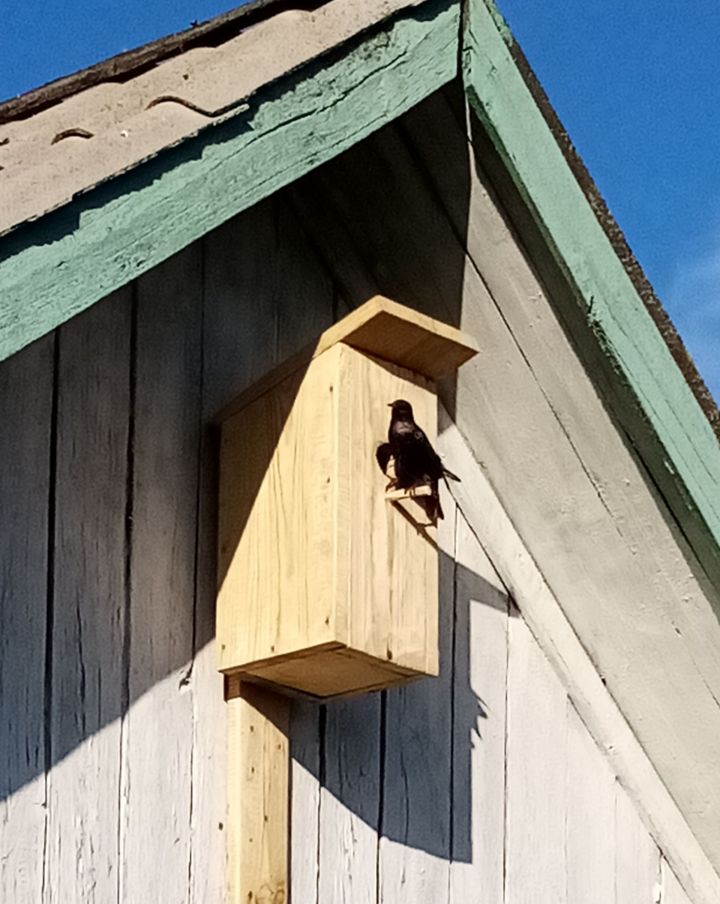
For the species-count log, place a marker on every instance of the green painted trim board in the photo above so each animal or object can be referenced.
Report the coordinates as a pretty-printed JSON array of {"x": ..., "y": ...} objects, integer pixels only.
[
  {"x": 59, "y": 265},
  {"x": 648, "y": 393}
]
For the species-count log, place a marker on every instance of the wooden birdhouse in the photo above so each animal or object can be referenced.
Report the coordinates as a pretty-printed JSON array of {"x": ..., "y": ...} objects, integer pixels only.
[{"x": 325, "y": 586}]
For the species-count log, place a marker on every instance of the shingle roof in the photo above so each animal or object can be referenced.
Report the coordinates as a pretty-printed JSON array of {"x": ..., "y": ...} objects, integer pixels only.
[{"x": 59, "y": 143}]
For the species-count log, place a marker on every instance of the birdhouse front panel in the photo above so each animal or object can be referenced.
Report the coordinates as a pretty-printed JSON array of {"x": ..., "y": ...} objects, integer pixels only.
[
  {"x": 389, "y": 591},
  {"x": 325, "y": 586}
]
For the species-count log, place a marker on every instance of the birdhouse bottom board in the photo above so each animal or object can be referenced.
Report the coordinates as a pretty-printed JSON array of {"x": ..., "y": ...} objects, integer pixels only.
[{"x": 324, "y": 586}]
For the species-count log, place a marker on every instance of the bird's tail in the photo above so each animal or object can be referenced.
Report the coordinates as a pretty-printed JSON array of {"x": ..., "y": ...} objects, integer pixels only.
[
  {"x": 450, "y": 474},
  {"x": 432, "y": 507}
]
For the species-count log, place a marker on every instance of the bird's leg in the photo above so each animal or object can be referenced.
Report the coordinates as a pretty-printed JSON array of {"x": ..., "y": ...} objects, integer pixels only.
[
  {"x": 413, "y": 490},
  {"x": 390, "y": 473}
]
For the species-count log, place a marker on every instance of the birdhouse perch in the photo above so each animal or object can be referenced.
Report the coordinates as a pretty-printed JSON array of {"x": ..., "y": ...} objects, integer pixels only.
[{"x": 324, "y": 588}]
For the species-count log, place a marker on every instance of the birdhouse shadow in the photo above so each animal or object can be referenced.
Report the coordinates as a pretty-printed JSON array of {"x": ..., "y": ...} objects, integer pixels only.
[{"x": 407, "y": 762}]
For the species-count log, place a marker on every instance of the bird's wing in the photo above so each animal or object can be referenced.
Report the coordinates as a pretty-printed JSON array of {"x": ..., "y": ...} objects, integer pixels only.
[
  {"x": 434, "y": 465},
  {"x": 383, "y": 453}
]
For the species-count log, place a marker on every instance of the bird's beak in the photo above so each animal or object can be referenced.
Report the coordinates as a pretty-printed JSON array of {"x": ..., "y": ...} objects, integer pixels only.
[{"x": 389, "y": 404}]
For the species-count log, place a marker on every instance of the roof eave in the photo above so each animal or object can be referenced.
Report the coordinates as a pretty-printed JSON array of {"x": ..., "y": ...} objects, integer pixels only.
[
  {"x": 599, "y": 303},
  {"x": 53, "y": 267}
]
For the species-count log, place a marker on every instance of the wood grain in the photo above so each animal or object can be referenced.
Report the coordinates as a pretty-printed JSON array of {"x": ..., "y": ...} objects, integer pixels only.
[
  {"x": 479, "y": 722},
  {"x": 414, "y": 857},
  {"x": 258, "y": 796},
  {"x": 305, "y": 745},
  {"x": 385, "y": 329},
  {"x": 26, "y": 399},
  {"x": 266, "y": 296},
  {"x": 89, "y": 617},
  {"x": 350, "y": 802},
  {"x": 672, "y": 891},
  {"x": 647, "y": 391},
  {"x": 68, "y": 261},
  {"x": 535, "y": 854},
  {"x": 518, "y": 422},
  {"x": 599, "y": 712},
  {"x": 590, "y": 833},
  {"x": 308, "y": 557},
  {"x": 158, "y": 729},
  {"x": 380, "y": 328},
  {"x": 239, "y": 329},
  {"x": 637, "y": 858}
]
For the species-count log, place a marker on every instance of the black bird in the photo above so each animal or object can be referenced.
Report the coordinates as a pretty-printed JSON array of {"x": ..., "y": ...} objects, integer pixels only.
[{"x": 416, "y": 462}]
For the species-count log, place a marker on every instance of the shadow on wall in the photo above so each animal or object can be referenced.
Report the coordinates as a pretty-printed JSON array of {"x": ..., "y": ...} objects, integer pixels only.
[
  {"x": 401, "y": 760},
  {"x": 114, "y": 591}
]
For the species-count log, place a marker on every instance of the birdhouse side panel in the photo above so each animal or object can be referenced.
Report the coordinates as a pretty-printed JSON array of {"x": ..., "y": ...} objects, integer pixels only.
[
  {"x": 276, "y": 522},
  {"x": 388, "y": 568}
]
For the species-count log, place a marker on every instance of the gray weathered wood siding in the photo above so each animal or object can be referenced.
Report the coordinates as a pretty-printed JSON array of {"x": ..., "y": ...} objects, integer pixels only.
[{"x": 483, "y": 785}]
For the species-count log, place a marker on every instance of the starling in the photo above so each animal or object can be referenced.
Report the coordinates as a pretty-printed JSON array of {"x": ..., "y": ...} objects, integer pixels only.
[{"x": 416, "y": 462}]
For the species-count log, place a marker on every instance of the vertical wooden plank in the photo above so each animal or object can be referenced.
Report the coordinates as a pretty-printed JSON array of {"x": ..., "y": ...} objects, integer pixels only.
[
  {"x": 258, "y": 802},
  {"x": 379, "y": 182},
  {"x": 158, "y": 729},
  {"x": 535, "y": 867},
  {"x": 672, "y": 891},
  {"x": 350, "y": 802},
  {"x": 88, "y": 668},
  {"x": 307, "y": 303},
  {"x": 479, "y": 721},
  {"x": 590, "y": 836},
  {"x": 415, "y": 845},
  {"x": 240, "y": 316},
  {"x": 305, "y": 740},
  {"x": 637, "y": 858},
  {"x": 266, "y": 295},
  {"x": 209, "y": 772},
  {"x": 26, "y": 394}
]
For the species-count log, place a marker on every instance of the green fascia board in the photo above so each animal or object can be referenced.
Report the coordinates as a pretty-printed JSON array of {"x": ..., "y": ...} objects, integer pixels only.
[
  {"x": 645, "y": 388},
  {"x": 55, "y": 267}
]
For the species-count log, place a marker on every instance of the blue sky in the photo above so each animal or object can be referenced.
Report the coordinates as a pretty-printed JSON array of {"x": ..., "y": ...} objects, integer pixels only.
[{"x": 636, "y": 85}]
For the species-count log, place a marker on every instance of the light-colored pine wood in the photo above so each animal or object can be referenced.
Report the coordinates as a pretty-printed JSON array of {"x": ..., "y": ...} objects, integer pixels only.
[
  {"x": 310, "y": 554},
  {"x": 258, "y": 787},
  {"x": 479, "y": 723},
  {"x": 414, "y": 857},
  {"x": 535, "y": 854},
  {"x": 88, "y": 665},
  {"x": 26, "y": 396},
  {"x": 406, "y": 337},
  {"x": 401, "y": 495},
  {"x": 158, "y": 729}
]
